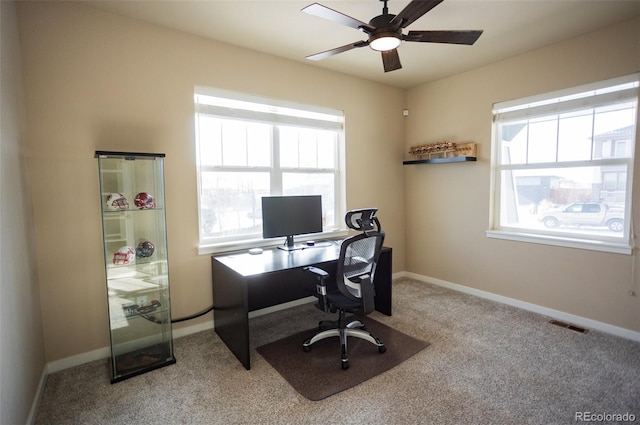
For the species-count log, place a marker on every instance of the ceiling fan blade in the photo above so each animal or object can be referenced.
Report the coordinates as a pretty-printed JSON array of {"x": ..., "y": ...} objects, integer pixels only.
[
  {"x": 391, "y": 60},
  {"x": 328, "y": 53},
  {"x": 324, "y": 12},
  {"x": 414, "y": 11},
  {"x": 450, "y": 37}
]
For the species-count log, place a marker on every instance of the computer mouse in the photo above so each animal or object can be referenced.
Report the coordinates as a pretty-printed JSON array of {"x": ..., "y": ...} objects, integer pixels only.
[
  {"x": 311, "y": 243},
  {"x": 255, "y": 251}
]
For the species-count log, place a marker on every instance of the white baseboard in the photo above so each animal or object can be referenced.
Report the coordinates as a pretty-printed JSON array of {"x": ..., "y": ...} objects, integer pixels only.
[
  {"x": 105, "y": 352},
  {"x": 36, "y": 400},
  {"x": 284, "y": 306},
  {"x": 555, "y": 314},
  {"x": 78, "y": 359},
  {"x": 188, "y": 330}
]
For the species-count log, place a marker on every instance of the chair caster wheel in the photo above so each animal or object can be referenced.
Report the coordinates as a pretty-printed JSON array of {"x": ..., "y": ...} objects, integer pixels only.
[
  {"x": 382, "y": 349},
  {"x": 345, "y": 365},
  {"x": 306, "y": 346}
]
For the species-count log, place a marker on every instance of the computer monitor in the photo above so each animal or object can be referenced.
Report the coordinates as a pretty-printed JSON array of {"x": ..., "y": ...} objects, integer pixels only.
[{"x": 289, "y": 216}]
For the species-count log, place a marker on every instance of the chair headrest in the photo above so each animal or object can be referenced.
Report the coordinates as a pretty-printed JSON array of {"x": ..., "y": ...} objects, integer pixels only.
[{"x": 363, "y": 219}]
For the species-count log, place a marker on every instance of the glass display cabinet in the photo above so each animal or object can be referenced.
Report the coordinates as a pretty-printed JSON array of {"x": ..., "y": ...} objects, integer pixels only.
[{"x": 135, "y": 257}]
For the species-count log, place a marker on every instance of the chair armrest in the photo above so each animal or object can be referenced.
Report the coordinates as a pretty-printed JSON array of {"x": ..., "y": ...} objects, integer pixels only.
[
  {"x": 319, "y": 272},
  {"x": 321, "y": 287}
]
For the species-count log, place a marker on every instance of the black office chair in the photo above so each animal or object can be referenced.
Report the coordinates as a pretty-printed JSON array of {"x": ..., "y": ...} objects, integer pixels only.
[{"x": 354, "y": 290}]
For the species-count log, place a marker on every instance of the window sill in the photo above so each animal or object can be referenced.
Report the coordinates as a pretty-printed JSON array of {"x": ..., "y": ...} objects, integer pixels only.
[
  {"x": 616, "y": 248},
  {"x": 219, "y": 248}
]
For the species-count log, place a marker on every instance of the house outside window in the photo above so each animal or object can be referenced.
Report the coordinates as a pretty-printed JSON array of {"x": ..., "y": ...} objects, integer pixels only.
[
  {"x": 249, "y": 147},
  {"x": 562, "y": 167}
]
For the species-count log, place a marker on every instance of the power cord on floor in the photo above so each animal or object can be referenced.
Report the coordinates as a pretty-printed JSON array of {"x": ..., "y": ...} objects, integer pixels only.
[
  {"x": 193, "y": 316},
  {"x": 180, "y": 319}
]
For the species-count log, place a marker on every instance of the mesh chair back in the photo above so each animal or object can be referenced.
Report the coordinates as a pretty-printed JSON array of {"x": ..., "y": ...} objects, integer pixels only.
[{"x": 356, "y": 268}]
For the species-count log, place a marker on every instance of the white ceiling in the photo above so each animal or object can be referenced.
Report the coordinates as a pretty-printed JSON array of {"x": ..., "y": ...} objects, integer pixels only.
[{"x": 277, "y": 27}]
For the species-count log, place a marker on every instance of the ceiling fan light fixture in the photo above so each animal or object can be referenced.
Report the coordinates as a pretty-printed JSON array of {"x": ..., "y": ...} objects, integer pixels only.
[
  {"x": 384, "y": 41},
  {"x": 385, "y": 32}
]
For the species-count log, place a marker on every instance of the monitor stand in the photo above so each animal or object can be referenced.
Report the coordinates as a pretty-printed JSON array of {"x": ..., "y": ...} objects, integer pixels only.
[{"x": 290, "y": 246}]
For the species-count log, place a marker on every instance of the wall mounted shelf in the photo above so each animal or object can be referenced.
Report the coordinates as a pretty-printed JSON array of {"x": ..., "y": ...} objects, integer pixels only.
[{"x": 440, "y": 160}]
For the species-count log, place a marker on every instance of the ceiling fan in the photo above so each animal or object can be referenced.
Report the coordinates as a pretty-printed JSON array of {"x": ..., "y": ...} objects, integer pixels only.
[{"x": 385, "y": 31}]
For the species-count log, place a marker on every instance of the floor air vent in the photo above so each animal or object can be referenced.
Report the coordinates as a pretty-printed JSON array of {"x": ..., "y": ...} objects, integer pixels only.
[{"x": 569, "y": 326}]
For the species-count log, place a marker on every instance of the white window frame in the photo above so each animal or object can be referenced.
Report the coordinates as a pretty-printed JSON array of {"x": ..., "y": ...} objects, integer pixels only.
[
  {"x": 274, "y": 112},
  {"x": 556, "y": 103}
]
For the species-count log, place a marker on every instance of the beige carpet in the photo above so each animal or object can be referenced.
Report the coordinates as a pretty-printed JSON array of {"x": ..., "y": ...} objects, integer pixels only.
[
  {"x": 488, "y": 363},
  {"x": 318, "y": 373}
]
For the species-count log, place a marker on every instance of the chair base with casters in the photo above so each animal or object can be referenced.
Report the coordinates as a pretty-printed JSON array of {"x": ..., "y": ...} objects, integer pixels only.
[
  {"x": 343, "y": 330},
  {"x": 354, "y": 292}
]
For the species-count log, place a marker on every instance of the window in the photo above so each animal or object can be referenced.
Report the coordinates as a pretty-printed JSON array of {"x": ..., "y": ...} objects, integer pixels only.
[
  {"x": 562, "y": 166},
  {"x": 249, "y": 147}
]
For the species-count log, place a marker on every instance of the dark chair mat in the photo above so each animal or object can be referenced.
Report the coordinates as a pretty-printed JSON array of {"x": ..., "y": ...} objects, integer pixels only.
[{"x": 318, "y": 374}]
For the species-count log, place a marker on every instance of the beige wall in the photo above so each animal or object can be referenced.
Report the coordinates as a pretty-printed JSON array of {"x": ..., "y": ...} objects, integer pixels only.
[
  {"x": 22, "y": 360},
  {"x": 449, "y": 203},
  {"x": 97, "y": 81}
]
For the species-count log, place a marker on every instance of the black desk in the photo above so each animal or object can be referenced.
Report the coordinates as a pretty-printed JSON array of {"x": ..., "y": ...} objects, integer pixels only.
[{"x": 243, "y": 282}]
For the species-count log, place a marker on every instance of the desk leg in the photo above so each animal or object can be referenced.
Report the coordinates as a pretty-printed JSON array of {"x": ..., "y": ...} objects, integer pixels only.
[
  {"x": 382, "y": 282},
  {"x": 230, "y": 314},
  {"x": 231, "y": 303}
]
